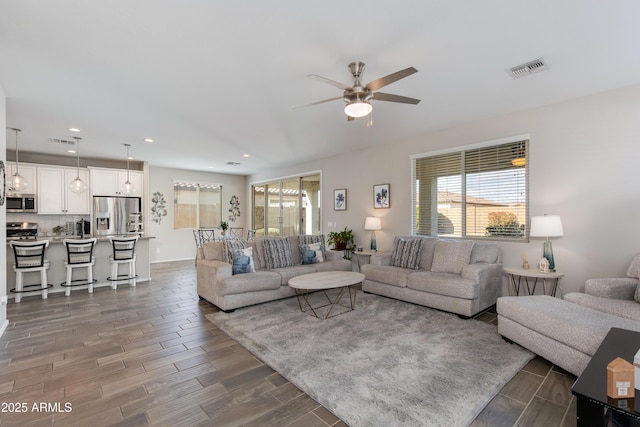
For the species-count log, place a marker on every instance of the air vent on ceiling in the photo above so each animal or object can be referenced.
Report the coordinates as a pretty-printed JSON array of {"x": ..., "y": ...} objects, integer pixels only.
[
  {"x": 528, "y": 68},
  {"x": 63, "y": 141},
  {"x": 233, "y": 163}
]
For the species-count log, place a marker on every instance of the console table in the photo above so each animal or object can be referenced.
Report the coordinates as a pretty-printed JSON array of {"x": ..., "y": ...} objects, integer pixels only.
[
  {"x": 517, "y": 274},
  {"x": 595, "y": 408}
]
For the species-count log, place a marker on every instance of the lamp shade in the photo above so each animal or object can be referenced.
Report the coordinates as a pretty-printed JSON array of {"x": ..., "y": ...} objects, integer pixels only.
[
  {"x": 372, "y": 223},
  {"x": 357, "y": 109},
  {"x": 546, "y": 226}
]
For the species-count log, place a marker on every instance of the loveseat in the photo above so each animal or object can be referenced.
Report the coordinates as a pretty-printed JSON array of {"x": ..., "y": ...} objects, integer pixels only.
[
  {"x": 568, "y": 331},
  {"x": 459, "y": 276},
  {"x": 262, "y": 268}
]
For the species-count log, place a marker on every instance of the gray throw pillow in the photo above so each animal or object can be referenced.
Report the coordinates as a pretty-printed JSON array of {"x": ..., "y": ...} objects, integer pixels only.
[
  {"x": 308, "y": 239},
  {"x": 229, "y": 245},
  {"x": 406, "y": 253},
  {"x": 277, "y": 253},
  {"x": 451, "y": 256},
  {"x": 638, "y": 293}
]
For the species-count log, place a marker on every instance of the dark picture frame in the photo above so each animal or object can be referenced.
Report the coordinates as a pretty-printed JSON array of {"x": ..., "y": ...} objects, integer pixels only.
[
  {"x": 381, "y": 196},
  {"x": 340, "y": 199}
]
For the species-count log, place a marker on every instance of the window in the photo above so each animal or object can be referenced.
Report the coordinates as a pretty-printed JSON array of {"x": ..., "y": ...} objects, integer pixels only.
[
  {"x": 480, "y": 192},
  {"x": 196, "y": 205}
]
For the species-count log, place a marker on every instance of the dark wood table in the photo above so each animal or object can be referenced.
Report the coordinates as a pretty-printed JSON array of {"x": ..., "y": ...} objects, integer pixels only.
[{"x": 595, "y": 408}]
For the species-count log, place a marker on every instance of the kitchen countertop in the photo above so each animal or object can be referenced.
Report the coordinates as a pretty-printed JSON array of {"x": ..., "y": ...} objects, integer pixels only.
[{"x": 60, "y": 239}]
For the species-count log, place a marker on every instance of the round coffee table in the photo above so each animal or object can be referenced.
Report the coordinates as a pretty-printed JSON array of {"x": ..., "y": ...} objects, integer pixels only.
[{"x": 323, "y": 281}]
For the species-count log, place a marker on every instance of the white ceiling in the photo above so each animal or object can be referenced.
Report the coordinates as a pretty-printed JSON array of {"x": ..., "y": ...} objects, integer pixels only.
[{"x": 212, "y": 80}]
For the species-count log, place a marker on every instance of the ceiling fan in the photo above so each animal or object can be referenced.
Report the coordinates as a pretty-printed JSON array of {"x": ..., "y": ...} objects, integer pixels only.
[{"x": 358, "y": 96}]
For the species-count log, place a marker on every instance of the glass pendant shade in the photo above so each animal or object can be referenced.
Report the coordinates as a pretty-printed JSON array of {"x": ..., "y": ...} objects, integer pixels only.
[
  {"x": 77, "y": 185},
  {"x": 128, "y": 188},
  {"x": 358, "y": 109},
  {"x": 17, "y": 183}
]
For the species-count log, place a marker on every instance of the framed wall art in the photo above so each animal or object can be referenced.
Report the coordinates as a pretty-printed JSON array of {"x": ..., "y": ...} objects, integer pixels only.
[
  {"x": 381, "y": 196},
  {"x": 3, "y": 177},
  {"x": 340, "y": 199}
]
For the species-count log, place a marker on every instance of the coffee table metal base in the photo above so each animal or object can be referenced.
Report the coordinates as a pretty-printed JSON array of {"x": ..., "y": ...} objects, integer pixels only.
[{"x": 303, "y": 295}]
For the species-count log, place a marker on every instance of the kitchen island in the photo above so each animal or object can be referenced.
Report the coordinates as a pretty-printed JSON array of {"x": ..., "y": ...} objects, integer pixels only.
[{"x": 56, "y": 253}]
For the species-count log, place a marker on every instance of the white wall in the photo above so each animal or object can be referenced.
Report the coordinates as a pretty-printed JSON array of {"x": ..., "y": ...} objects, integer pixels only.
[
  {"x": 170, "y": 244},
  {"x": 583, "y": 166},
  {"x": 3, "y": 213}
]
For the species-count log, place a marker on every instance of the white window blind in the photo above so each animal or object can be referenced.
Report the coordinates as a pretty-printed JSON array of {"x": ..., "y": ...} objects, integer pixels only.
[
  {"x": 480, "y": 192},
  {"x": 196, "y": 205}
]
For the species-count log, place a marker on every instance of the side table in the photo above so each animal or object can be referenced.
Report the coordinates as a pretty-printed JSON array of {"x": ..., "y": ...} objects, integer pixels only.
[
  {"x": 517, "y": 274},
  {"x": 363, "y": 257},
  {"x": 594, "y": 407}
]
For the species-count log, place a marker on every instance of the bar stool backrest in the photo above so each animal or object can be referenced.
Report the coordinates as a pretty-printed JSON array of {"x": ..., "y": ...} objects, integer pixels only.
[
  {"x": 29, "y": 254},
  {"x": 204, "y": 235},
  {"x": 123, "y": 247},
  {"x": 79, "y": 251}
]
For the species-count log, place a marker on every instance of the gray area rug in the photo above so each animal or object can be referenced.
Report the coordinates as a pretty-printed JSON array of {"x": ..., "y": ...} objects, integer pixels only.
[{"x": 388, "y": 363}]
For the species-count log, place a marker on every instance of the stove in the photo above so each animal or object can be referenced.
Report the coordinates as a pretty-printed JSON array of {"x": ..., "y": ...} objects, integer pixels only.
[{"x": 22, "y": 231}]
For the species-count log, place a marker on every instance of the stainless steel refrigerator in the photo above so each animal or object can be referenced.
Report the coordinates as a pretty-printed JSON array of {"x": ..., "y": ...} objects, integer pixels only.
[{"x": 116, "y": 215}]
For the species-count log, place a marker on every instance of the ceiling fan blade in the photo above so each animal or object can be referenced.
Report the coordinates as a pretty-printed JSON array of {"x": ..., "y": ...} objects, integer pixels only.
[
  {"x": 387, "y": 80},
  {"x": 318, "y": 102},
  {"x": 329, "y": 81},
  {"x": 381, "y": 96}
]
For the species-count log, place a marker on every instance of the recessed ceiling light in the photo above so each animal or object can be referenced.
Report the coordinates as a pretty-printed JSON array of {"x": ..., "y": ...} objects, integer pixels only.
[
  {"x": 148, "y": 140},
  {"x": 71, "y": 151},
  {"x": 212, "y": 167},
  {"x": 245, "y": 155},
  {"x": 74, "y": 129}
]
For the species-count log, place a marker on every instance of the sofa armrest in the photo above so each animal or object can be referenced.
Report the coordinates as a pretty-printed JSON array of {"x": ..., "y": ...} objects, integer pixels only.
[
  {"x": 481, "y": 272},
  {"x": 380, "y": 259},
  {"x": 618, "y": 288},
  {"x": 209, "y": 272}
]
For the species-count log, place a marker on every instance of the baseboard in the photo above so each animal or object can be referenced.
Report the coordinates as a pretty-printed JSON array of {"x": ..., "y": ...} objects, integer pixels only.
[
  {"x": 171, "y": 260},
  {"x": 4, "y": 326}
]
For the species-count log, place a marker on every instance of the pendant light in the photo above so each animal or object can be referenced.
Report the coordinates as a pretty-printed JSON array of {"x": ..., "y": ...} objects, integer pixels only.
[
  {"x": 17, "y": 183},
  {"x": 128, "y": 188},
  {"x": 77, "y": 185}
]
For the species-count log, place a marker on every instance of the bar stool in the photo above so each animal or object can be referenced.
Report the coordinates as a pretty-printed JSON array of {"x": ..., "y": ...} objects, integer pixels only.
[
  {"x": 124, "y": 252},
  {"x": 79, "y": 255},
  {"x": 29, "y": 257}
]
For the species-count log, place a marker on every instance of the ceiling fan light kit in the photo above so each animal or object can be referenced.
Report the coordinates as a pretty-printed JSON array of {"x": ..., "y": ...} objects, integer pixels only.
[{"x": 357, "y": 97}]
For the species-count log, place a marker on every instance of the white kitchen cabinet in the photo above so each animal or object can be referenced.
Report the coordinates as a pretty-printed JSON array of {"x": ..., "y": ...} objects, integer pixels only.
[
  {"x": 27, "y": 171},
  {"x": 109, "y": 182},
  {"x": 54, "y": 196}
]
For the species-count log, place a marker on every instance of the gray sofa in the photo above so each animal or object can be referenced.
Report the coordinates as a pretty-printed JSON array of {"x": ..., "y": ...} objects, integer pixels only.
[
  {"x": 459, "y": 276},
  {"x": 568, "y": 331},
  {"x": 217, "y": 284}
]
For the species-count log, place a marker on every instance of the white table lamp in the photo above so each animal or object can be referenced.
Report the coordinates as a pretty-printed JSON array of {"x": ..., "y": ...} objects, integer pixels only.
[
  {"x": 372, "y": 224},
  {"x": 547, "y": 226}
]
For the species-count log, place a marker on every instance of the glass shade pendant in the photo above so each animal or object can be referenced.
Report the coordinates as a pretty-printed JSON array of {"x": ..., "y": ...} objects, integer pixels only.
[
  {"x": 17, "y": 182},
  {"x": 128, "y": 188},
  {"x": 77, "y": 185}
]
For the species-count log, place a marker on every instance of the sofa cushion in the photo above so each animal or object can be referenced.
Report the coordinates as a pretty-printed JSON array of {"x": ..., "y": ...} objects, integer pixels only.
[
  {"x": 243, "y": 283},
  {"x": 628, "y": 309},
  {"x": 449, "y": 284},
  {"x": 390, "y": 275},
  {"x": 637, "y": 297},
  {"x": 277, "y": 253},
  {"x": 406, "y": 253},
  {"x": 451, "y": 256},
  {"x": 311, "y": 253},
  {"x": 229, "y": 246},
  {"x": 293, "y": 271},
  {"x": 485, "y": 252},
  {"x": 213, "y": 250},
  {"x": 333, "y": 265},
  {"x": 242, "y": 261},
  {"x": 428, "y": 248}
]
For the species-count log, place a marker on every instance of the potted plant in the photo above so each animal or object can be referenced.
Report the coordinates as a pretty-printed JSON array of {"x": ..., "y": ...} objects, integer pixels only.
[
  {"x": 57, "y": 230},
  {"x": 224, "y": 225},
  {"x": 341, "y": 240}
]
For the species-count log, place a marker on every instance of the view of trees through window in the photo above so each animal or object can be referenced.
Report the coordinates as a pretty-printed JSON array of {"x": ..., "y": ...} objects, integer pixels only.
[{"x": 479, "y": 193}]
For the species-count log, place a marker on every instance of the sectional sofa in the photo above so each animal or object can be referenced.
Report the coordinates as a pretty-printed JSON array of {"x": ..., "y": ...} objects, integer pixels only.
[
  {"x": 275, "y": 260},
  {"x": 459, "y": 276}
]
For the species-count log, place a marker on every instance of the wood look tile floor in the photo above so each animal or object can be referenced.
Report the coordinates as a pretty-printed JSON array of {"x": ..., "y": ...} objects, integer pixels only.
[{"x": 147, "y": 356}]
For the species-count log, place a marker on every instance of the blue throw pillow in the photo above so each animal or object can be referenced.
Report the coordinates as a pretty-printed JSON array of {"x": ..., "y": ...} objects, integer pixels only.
[
  {"x": 242, "y": 261},
  {"x": 312, "y": 253}
]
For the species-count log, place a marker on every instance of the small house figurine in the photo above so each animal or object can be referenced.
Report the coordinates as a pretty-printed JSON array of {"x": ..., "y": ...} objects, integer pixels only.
[
  {"x": 620, "y": 379},
  {"x": 543, "y": 265}
]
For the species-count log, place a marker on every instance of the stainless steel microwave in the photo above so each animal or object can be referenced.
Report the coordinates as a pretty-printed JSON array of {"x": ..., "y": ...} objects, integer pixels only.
[{"x": 22, "y": 203}]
